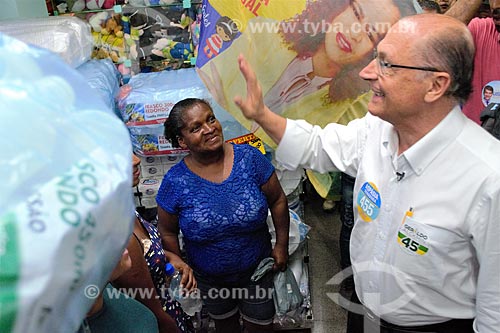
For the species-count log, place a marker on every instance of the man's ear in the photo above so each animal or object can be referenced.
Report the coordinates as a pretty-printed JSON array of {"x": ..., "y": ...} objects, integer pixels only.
[{"x": 438, "y": 87}]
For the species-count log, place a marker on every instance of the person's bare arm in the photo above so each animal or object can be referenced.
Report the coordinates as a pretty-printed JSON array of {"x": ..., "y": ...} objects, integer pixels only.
[
  {"x": 253, "y": 106},
  {"x": 168, "y": 226},
  {"x": 278, "y": 206},
  {"x": 464, "y": 10},
  {"x": 139, "y": 277}
]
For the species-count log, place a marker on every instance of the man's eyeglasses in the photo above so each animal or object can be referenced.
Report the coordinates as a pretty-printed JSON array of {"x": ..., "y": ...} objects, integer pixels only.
[{"x": 385, "y": 68}]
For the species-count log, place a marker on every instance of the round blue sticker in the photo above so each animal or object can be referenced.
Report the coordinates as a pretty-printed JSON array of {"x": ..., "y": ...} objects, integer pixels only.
[{"x": 368, "y": 202}]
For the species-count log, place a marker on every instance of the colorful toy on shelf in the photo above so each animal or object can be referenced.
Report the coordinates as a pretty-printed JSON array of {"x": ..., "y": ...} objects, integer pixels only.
[
  {"x": 78, "y": 6},
  {"x": 108, "y": 36},
  {"x": 94, "y": 4},
  {"x": 97, "y": 20},
  {"x": 140, "y": 3},
  {"x": 137, "y": 38},
  {"x": 184, "y": 22},
  {"x": 168, "y": 49},
  {"x": 113, "y": 26},
  {"x": 82, "y": 5},
  {"x": 194, "y": 29},
  {"x": 105, "y": 53}
]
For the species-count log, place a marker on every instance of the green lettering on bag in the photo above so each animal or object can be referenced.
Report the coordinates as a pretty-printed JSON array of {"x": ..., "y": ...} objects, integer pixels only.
[{"x": 9, "y": 271}]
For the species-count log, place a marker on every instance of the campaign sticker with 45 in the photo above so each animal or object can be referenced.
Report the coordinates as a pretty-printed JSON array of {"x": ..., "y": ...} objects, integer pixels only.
[{"x": 411, "y": 239}]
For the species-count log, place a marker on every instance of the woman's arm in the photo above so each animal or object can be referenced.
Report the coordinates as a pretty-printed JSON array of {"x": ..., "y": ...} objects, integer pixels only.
[
  {"x": 278, "y": 206},
  {"x": 168, "y": 225},
  {"x": 138, "y": 277}
]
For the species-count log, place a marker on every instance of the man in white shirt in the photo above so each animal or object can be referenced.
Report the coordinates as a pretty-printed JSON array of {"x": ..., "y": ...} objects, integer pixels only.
[{"x": 425, "y": 247}]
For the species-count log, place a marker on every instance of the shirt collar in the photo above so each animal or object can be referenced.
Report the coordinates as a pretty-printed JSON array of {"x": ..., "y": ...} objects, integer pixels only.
[{"x": 424, "y": 151}]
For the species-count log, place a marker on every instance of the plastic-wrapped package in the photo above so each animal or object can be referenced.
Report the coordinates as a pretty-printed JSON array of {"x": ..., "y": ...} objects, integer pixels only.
[
  {"x": 67, "y": 36},
  {"x": 66, "y": 205},
  {"x": 23, "y": 69},
  {"x": 297, "y": 233},
  {"x": 103, "y": 76},
  {"x": 145, "y": 102}
]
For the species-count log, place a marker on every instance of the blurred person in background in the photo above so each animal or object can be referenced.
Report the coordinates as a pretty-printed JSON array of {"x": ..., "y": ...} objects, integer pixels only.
[{"x": 486, "y": 34}]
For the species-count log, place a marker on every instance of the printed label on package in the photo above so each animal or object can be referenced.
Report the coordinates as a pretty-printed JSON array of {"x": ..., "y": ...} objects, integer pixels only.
[{"x": 146, "y": 114}]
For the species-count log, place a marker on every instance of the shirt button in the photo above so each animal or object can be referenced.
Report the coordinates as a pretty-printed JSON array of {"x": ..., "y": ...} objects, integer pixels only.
[
  {"x": 381, "y": 235},
  {"x": 387, "y": 208}
]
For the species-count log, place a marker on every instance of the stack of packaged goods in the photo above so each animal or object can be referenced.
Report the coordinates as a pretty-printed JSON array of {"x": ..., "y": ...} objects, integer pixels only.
[{"x": 68, "y": 36}]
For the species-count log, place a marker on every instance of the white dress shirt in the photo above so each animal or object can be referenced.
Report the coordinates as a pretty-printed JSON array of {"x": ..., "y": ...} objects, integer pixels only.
[{"x": 425, "y": 247}]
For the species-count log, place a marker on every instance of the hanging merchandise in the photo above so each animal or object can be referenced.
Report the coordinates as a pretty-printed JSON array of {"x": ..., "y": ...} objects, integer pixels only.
[
  {"x": 161, "y": 36},
  {"x": 109, "y": 37}
]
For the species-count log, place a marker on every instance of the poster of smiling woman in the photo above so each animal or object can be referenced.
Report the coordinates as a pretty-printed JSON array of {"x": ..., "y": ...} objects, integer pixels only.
[{"x": 307, "y": 54}]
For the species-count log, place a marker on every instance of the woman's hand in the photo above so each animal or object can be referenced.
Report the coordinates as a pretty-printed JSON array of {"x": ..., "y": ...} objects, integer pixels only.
[
  {"x": 280, "y": 255},
  {"x": 253, "y": 106},
  {"x": 188, "y": 280}
]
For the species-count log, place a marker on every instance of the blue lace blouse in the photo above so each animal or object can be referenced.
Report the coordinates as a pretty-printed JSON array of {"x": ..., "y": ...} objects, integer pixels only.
[{"x": 223, "y": 224}]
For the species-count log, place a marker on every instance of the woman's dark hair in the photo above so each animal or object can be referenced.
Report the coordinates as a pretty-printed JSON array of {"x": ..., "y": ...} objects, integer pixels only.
[
  {"x": 175, "y": 121},
  {"x": 301, "y": 40},
  {"x": 306, "y": 44}
]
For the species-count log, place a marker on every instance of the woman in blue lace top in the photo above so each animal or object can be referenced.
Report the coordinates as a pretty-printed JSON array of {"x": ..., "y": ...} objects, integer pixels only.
[{"x": 219, "y": 196}]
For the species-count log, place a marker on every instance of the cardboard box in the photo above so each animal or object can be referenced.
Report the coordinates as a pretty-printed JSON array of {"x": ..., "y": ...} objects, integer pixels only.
[
  {"x": 148, "y": 171},
  {"x": 149, "y": 186},
  {"x": 150, "y": 160},
  {"x": 172, "y": 159}
]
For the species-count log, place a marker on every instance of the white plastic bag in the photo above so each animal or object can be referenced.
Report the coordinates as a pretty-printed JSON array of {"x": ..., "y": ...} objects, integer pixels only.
[
  {"x": 297, "y": 232},
  {"x": 66, "y": 206},
  {"x": 67, "y": 36}
]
